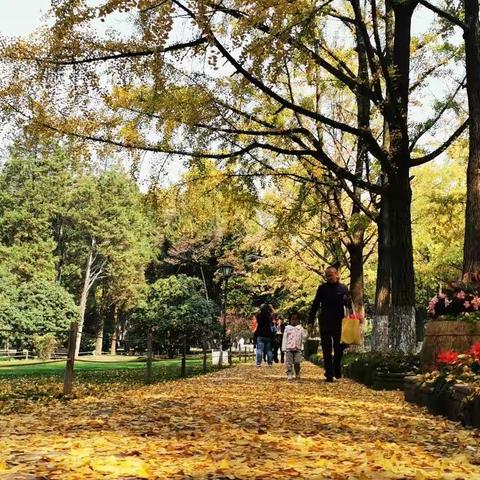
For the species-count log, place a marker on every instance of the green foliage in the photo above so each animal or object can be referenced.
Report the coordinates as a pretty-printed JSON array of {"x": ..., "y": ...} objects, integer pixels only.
[
  {"x": 45, "y": 345},
  {"x": 363, "y": 366},
  {"x": 175, "y": 308},
  {"x": 438, "y": 226},
  {"x": 53, "y": 207},
  {"x": 36, "y": 308}
]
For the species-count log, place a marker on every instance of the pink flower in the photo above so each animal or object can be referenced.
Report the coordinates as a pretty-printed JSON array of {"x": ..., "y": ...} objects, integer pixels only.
[
  {"x": 466, "y": 304},
  {"x": 475, "y": 303},
  {"x": 431, "y": 305},
  {"x": 447, "y": 302},
  {"x": 461, "y": 295}
]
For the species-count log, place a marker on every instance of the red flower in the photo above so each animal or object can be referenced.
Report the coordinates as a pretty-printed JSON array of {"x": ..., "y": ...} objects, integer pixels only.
[
  {"x": 475, "y": 351},
  {"x": 448, "y": 357}
]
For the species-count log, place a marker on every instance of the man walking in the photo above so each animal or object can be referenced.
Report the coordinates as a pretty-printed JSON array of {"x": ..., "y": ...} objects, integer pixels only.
[{"x": 333, "y": 296}]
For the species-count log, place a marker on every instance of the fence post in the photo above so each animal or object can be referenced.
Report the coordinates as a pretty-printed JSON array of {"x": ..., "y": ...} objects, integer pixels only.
[
  {"x": 204, "y": 356},
  {"x": 183, "y": 371},
  {"x": 148, "y": 371},
  {"x": 245, "y": 361},
  {"x": 230, "y": 355},
  {"x": 72, "y": 341}
]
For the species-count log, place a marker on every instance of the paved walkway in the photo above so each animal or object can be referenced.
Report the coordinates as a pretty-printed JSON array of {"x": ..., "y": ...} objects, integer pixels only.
[{"x": 241, "y": 423}]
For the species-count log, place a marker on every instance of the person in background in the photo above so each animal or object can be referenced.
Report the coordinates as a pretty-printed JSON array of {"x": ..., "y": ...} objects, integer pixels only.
[
  {"x": 264, "y": 334},
  {"x": 277, "y": 339},
  {"x": 333, "y": 297},
  {"x": 292, "y": 344}
]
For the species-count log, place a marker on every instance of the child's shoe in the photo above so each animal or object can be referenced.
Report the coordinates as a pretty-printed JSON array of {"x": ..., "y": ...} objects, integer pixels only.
[{"x": 289, "y": 376}]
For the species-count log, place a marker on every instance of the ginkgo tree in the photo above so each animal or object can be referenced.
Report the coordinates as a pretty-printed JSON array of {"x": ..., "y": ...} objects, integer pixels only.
[{"x": 148, "y": 90}]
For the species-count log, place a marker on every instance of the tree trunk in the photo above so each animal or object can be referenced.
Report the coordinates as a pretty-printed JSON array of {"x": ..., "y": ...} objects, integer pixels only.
[
  {"x": 99, "y": 339},
  {"x": 471, "y": 251},
  {"x": 357, "y": 241},
  {"x": 183, "y": 368},
  {"x": 380, "y": 332},
  {"x": 398, "y": 189},
  {"x": 113, "y": 346},
  {"x": 84, "y": 297},
  {"x": 148, "y": 371},
  {"x": 59, "y": 251},
  {"x": 204, "y": 282},
  {"x": 356, "y": 277},
  {"x": 402, "y": 318}
]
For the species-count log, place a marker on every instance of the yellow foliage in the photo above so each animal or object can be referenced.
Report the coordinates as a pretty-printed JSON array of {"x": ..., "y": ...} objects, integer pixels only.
[{"x": 240, "y": 423}]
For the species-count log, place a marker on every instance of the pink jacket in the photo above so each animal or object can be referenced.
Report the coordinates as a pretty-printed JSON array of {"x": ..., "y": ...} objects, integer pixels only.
[{"x": 293, "y": 338}]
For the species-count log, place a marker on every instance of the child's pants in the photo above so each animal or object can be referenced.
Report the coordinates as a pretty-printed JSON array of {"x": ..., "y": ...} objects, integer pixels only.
[{"x": 293, "y": 359}]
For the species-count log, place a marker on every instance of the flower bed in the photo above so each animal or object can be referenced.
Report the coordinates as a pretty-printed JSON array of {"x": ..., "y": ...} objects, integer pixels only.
[
  {"x": 453, "y": 389},
  {"x": 455, "y": 321}
]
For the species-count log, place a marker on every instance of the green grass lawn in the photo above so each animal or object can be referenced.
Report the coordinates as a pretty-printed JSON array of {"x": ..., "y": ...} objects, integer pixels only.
[
  {"x": 90, "y": 368},
  {"x": 28, "y": 382}
]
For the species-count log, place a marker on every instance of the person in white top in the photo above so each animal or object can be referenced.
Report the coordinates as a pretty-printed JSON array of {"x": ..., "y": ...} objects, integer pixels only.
[{"x": 292, "y": 344}]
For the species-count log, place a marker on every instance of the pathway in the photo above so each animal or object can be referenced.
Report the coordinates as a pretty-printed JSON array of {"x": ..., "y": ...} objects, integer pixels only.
[{"x": 241, "y": 423}]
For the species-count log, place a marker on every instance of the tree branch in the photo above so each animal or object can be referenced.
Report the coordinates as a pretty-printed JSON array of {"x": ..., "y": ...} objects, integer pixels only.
[
  {"x": 434, "y": 121},
  {"x": 415, "y": 162},
  {"x": 116, "y": 56},
  {"x": 443, "y": 14}
]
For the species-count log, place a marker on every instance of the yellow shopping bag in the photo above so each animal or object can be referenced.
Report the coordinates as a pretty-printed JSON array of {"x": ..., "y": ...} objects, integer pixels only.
[{"x": 351, "y": 334}]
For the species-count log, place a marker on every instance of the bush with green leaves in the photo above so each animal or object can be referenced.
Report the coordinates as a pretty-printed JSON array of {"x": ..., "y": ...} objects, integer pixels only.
[
  {"x": 36, "y": 308},
  {"x": 362, "y": 367},
  {"x": 176, "y": 308},
  {"x": 45, "y": 345}
]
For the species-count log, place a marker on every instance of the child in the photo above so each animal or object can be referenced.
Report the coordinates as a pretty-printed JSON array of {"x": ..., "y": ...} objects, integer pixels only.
[{"x": 292, "y": 344}]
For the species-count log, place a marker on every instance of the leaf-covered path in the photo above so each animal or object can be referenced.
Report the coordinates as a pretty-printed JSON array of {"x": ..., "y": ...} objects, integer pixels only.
[{"x": 241, "y": 423}]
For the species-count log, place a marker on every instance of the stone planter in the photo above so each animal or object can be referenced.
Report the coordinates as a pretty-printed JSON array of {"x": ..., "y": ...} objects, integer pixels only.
[
  {"x": 437, "y": 398},
  {"x": 454, "y": 403},
  {"x": 415, "y": 392},
  {"x": 443, "y": 335},
  {"x": 469, "y": 413},
  {"x": 388, "y": 381},
  {"x": 410, "y": 388}
]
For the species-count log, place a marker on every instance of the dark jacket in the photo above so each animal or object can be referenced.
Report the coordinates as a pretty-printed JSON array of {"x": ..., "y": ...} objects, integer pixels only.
[
  {"x": 333, "y": 297},
  {"x": 264, "y": 326}
]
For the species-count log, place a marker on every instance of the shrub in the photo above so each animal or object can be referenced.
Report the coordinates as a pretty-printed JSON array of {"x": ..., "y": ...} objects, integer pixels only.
[
  {"x": 45, "y": 345},
  {"x": 362, "y": 367},
  {"x": 316, "y": 358}
]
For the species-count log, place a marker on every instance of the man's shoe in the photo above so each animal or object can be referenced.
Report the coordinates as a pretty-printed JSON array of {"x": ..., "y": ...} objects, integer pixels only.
[{"x": 329, "y": 380}]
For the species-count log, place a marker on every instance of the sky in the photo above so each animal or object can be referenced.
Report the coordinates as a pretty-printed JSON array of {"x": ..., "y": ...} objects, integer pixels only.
[{"x": 20, "y": 17}]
